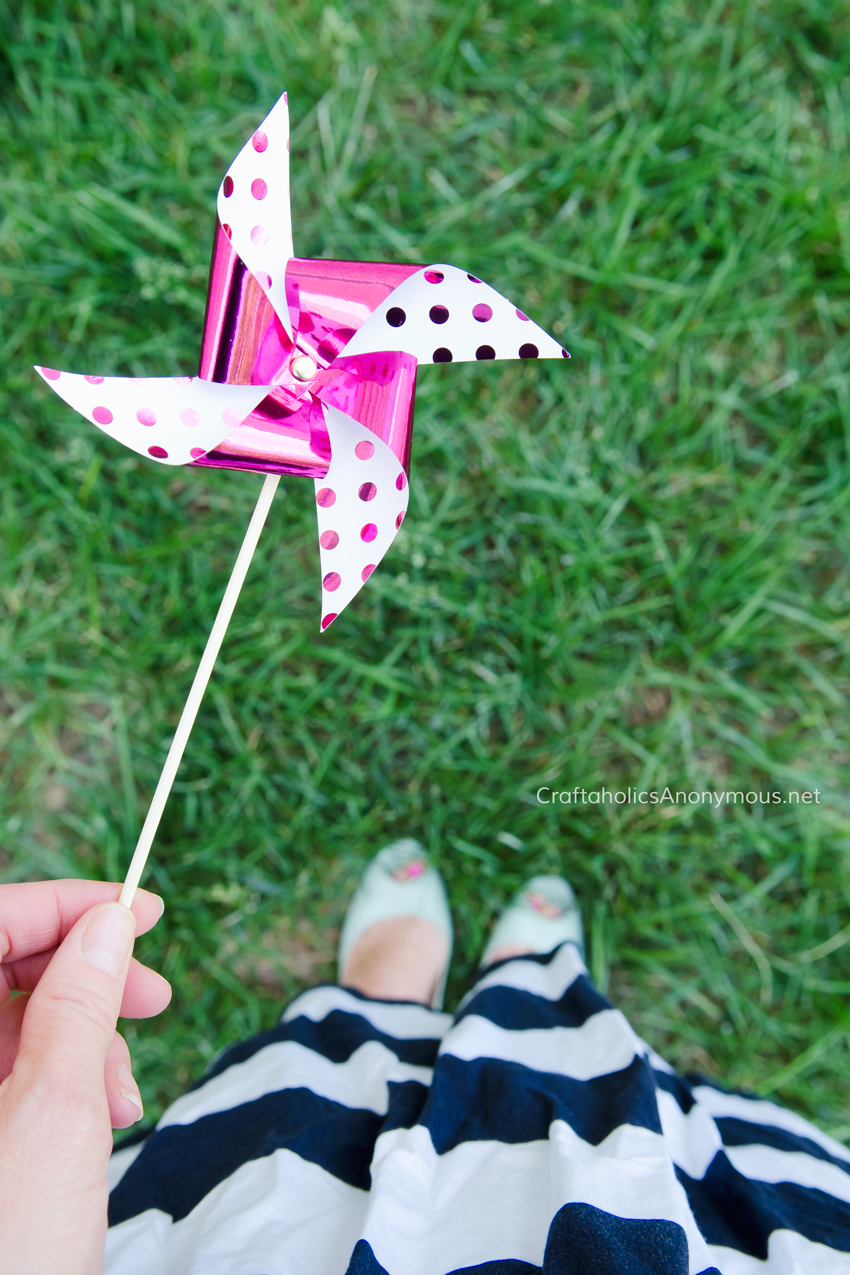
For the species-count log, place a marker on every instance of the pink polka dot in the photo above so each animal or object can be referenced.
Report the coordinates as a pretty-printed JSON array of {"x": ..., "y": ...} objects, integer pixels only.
[
  {"x": 401, "y": 481},
  {"x": 434, "y": 276},
  {"x": 259, "y": 236},
  {"x": 232, "y": 416},
  {"x": 102, "y": 415},
  {"x": 259, "y": 141},
  {"x": 189, "y": 417},
  {"x": 94, "y": 380},
  {"x": 367, "y": 571},
  {"x": 369, "y": 532},
  {"x": 483, "y": 312},
  {"x": 227, "y": 230},
  {"x": 227, "y": 186},
  {"x": 524, "y": 317},
  {"x": 145, "y": 416},
  {"x": 50, "y": 373},
  {"x": 263, "y": 279},
  {"x": 159, "y": 452},
  {"x": 197, "y": 452},
  {"x": 329, "y": 540},
  {"x": 364, "y": 450},
  {"x": 331, "y": 581},
  {"x": 259, "y": 189},
  {"x": 367, "y": 491},
  {"x": 326, "y": 497},
  {"x": 328, "y": 619},
  {"x": 182, "y": 380},
  {"x": 399, "y": 520}
]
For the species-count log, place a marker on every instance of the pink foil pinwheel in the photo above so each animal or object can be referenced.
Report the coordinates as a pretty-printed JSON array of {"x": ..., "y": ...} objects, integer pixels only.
[{"x": 307, "y": 367}]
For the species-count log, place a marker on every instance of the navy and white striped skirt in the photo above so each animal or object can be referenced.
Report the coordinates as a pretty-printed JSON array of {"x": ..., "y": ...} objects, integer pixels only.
[{"x": 532, "y": 1131}]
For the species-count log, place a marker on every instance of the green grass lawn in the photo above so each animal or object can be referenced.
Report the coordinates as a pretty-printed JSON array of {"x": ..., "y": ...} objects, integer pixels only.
[{"x": 628, "y": 570}]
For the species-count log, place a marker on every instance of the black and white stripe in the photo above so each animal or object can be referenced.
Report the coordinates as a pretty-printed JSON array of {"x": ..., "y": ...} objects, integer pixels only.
[{"x": 534, "y": 1132}]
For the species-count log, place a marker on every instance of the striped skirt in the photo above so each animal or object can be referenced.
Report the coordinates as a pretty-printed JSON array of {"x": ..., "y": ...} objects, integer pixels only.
[{"x": 532, "y": 1131}]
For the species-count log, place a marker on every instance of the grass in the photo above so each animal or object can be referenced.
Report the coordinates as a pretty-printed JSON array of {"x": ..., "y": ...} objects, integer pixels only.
[{"x": 627, "y": 570}]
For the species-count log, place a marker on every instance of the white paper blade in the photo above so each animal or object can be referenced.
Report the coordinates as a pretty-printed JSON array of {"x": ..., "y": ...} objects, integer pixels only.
[
  {"x": 360, "y": 504},
  {"x": 444, "y": 315},
  {"x": 171, "y": 419},
  {"x": 253, "y": 206}
]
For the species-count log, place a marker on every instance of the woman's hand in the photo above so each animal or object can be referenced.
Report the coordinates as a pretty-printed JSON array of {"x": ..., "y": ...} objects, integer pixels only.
[{"x": 64, "y": 1069}]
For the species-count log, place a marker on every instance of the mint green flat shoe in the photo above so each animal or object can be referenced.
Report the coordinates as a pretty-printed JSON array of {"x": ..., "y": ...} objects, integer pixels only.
[
  {"x": 399, "y": 881},
  {"x": 544, "y": 914}
]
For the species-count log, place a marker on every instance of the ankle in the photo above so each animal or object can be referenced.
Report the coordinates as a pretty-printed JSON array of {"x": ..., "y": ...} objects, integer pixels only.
[
  {"x": 508, "y": 950},
  {"x": 400, "y": 958}
]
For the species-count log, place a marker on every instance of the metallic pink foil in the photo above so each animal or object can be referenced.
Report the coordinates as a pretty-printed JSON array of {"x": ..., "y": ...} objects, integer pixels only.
[
  {"x": 329, "y": 300},
  {"x": 376, "y": 390},
  {"x": 245, "y": 343}
]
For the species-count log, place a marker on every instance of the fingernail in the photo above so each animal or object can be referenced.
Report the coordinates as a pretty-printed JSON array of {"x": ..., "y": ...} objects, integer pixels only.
[
  {"x": 129, "y": 1088},
  {"x": 160, "y": 901},
  {"x": 108, "y": 938}
]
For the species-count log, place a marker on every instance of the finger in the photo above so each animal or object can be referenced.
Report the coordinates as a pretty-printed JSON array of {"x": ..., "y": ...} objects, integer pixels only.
[
  {"x": 71, "y": 1014},
  {"x": 122, "y": 1092},
  {"x": 146, "y": 993},
  {"x": 37, "y": 915},
  {"x": 11, "y": 1016},
  {"x": 22, "y": 975}
]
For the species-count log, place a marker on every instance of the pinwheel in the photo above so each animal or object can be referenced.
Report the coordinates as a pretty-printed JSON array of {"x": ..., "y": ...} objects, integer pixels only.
[{"x": 307, "y": 367}]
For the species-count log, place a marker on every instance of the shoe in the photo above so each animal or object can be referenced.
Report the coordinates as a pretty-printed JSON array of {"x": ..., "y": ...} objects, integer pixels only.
[
  {"x": 399, "y": 881},
  {"x": 541, "y": 916}
]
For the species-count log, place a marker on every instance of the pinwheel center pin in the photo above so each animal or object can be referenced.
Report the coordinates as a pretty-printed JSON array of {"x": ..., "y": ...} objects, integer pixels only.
[
  {"x": 303, "y": 368},
  {"x": 307, "y": 367}
]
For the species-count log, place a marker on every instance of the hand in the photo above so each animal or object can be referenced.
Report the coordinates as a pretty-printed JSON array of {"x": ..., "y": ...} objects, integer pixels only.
[{"x": 65, "y": 1071}]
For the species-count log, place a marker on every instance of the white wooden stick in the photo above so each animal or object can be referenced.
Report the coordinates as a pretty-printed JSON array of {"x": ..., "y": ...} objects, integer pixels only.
[{"x": 196, "y": 694}]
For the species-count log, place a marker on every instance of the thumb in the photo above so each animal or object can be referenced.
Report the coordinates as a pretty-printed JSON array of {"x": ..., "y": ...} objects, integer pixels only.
[{"x": 70, "y": 1019}]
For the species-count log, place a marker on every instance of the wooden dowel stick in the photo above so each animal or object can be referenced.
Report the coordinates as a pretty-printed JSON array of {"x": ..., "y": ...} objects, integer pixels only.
[{"x": 196, "y": 694}]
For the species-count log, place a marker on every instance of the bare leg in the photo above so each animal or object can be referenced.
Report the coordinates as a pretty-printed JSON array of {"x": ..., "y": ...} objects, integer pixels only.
[
  {"x": 400, "y": 958},
  {"x": 509, "y": 949}
]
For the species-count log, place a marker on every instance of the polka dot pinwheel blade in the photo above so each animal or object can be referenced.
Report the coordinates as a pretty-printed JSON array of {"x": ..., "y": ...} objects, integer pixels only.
[
  {"x": 444, "y": 315},
  {"x": 360, "y": 503},
  {"x": 253, "y": 206},
  {"x": 173, "y": 419}
]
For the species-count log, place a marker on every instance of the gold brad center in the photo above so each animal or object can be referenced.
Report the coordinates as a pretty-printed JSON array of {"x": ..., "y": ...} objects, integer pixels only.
[{"x": 303, "y": 368}]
